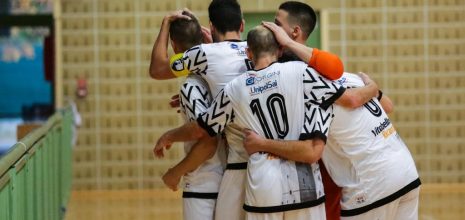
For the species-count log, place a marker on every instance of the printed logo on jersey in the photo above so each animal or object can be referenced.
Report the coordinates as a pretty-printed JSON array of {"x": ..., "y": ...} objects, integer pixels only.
[
  {"x": 361, "y": 199},
  {"x": 383, "y": 129},
  {"x": 249, "y": 81},
  {"x": 342, "y": 80},
  {"x": 254, "y": 79},
  {"x": 255, "y": 90},
  {"x": 240, "y": 49}
]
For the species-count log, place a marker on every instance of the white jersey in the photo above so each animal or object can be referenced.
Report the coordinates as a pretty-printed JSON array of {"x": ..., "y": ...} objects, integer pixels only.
[
  {"x": 219, "y": 63},
  {"x": 272, "y": 102},
  {"x": 366, "y": 156},
  {"x": 195, "y": 99}
]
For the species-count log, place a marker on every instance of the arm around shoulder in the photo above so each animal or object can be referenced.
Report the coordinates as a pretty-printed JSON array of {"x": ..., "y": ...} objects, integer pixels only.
[
  {"x": 327, "y": 64},
  {"x": 386, "y": 102},
  {"x": 356, "y": 97}
]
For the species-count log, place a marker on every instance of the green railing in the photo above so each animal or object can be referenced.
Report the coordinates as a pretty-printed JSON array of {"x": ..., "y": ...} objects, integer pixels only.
[{"x": 35, "y": 175}]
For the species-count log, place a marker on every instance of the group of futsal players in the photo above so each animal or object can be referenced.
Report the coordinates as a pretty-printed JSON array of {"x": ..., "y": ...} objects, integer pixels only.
[{"x": 275, "y": 129}]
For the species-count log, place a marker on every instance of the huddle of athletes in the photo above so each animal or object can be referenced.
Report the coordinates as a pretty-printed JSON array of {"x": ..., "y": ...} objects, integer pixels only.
[{"x": 275, "y": 129}]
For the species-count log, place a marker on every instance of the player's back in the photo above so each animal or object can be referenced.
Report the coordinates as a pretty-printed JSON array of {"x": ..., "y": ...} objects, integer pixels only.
[
  {"x": 256, "y": 95},
  {"x": 218, "y": 63},
  {"x": 271, "y": 102},
  {"x": 364, "y": 153}
]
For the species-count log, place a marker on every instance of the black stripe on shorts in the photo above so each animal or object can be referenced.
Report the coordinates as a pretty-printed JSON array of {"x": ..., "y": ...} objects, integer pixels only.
[
  {"x": 236, "y": 166},
  {"x": 284, "y": 208},
  {"x": 411, "y": 186},
  {"x": 198, "y": 195}
]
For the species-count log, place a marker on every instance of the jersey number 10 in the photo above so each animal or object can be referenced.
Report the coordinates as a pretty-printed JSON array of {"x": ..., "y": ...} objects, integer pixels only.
[{"x": 274, "y": 101}]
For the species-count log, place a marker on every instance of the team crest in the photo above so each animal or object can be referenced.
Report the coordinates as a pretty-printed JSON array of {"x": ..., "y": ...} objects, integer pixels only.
[
  {"x": 250, "y": 81},
  {"x": 239, "y": 48},
  {"x": 177, "y": 65}
]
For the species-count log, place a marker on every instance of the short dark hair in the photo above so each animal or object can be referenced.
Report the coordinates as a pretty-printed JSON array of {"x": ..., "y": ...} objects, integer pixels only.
[
  {"x": 225, "y": 15},
  {"x": 186, "y": 33},
  {"x": 301, "y": 14},
  {"x": 261, "y": 40}
]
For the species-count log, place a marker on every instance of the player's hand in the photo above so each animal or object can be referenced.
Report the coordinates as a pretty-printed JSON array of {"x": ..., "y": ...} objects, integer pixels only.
[
  {"x": 207, "y": 35},
  {"x": 366, "y": 79},
  {"x": 171, "y": 179},
  {"x": 172, "y": 16},
  {"x": 175, "y": 103},
  {"x": 279, "y": 33},
  {"x": 252, "y": 141},
  {"x": 163, "y": 143}
]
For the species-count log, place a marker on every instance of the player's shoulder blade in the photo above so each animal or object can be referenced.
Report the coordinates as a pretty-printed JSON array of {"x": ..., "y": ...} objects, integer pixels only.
[
  {"x": 227, "y": 48},
  {"x": 350, "y": 80},
  {"x": 294, "y": 65}
]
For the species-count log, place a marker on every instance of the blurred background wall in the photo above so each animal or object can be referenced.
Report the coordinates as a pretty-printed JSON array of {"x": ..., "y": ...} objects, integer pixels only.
[{"x": 414, "y": 49}]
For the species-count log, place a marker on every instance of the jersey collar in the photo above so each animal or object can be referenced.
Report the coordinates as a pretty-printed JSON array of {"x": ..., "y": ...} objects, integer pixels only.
[
  {"x": 266, "y": 66},
  {"x": 233, "y": 40}
]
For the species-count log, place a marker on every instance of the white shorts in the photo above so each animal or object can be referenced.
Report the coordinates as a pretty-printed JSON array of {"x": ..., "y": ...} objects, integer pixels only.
[
  {"x": 231, "y": 196},
  {"x": 312, "y": 213},
  {"x": 198, "y": 209},
  {"x": 403, "y": 208}
]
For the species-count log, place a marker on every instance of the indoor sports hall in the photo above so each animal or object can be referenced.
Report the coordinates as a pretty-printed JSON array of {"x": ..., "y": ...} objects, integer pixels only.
[{"x": 80, "y": 114}]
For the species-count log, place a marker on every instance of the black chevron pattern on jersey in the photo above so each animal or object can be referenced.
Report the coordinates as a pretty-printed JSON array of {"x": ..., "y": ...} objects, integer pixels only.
[
  {"x": 318, "y": 90},
  {"x": 196, "y": 60},
  {"x": 220, "y": 115},
  {"x": 204, "y": 93},
  {"x": 216, "y": 114},
  {"x": 317, "y": 119},
  {"x": 233, "y": 116},
  {"x": 308, "y": 77},
  {"x": 189, "y": 103},
  {"x": 324, "y": 85},
  {"x": 219, "y": 110},
  {"x": 224, "y": 100}
]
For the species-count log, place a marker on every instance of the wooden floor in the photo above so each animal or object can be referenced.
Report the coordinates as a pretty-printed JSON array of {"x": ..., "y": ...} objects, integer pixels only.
[{"x": 437, "y": 202}]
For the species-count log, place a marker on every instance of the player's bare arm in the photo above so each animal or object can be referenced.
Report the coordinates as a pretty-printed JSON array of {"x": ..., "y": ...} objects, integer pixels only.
[
  {"x": 356, "y": 97},
  {"x": 305, "y": 151},
  {"x": 203, "y": 150},
  {"x": 327, "y": 64},
  {"x": 188, "y": 132},
  {"x": 385, "y": 102},
  {"x": 159, "y": 62}
]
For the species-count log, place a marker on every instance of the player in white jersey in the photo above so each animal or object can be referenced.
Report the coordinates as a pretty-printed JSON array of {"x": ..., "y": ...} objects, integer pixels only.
[
  {"x": 358, "y": 202},
  {"x": 201, "y": 185},
  {"x": 375, "y": 169},
  {"x": 219, "y": 63},
  {"x": 240, "y": 103},
  {"x": 370, "y": 158},
  {"x": 201, "y": 180}
]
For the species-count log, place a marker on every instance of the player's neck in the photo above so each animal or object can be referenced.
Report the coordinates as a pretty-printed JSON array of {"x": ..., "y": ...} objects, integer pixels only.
[
  {"x": 264, "y": 61},
  {"x": 231, "y": 35},
  {"x": 301, "y": 41}
]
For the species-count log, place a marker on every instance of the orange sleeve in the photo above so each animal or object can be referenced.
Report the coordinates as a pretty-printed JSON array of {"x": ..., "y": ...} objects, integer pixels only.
[{"x": 327, "y": 64}]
